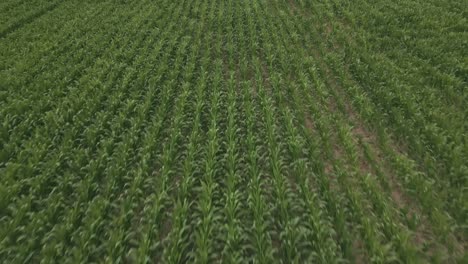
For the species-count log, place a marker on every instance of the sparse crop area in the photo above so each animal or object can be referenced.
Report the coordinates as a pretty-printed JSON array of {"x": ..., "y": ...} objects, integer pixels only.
[{"x": 233, "y": 131}]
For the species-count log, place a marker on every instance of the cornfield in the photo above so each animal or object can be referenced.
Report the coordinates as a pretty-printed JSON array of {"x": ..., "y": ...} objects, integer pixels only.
[{"x": 233, "y": 131}]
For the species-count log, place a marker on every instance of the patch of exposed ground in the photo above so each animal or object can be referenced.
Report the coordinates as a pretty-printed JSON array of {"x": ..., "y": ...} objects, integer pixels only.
[
  {"x": 293, "y": 7},
  {"x": 359, "y": 251},
  {"x": 309, "y": 124}
]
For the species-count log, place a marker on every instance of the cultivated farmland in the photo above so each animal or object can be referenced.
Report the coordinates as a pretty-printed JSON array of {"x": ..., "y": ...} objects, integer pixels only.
[{"x": 233, "y": 131}]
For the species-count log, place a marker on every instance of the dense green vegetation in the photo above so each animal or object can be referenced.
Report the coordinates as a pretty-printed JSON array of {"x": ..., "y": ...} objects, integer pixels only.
[{"x": 233, "y": 131}]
